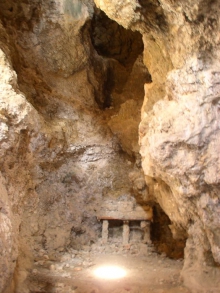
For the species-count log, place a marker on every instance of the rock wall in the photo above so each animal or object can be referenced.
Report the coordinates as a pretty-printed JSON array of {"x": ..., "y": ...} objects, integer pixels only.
[
  {"x": 8, "y": 243},
  {"x": 179, "y": 130},
  {"x": 69, "y": 113},
  {"x": 61, "y": 150}
]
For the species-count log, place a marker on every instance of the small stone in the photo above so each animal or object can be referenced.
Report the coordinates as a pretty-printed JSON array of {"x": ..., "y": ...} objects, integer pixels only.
[
  {"x": 61, "y": 285},
  {"x": 77, "y": 269},
  {"x": 58, "y": 267},
  {"x": 46, "y": 256},
  {"x": 128, "y": 246},
  {"x": 66, "y": 257},
  {"x": 52, "y": 267}
]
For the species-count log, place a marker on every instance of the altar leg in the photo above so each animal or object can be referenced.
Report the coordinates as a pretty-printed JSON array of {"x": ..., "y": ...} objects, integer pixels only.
[
  {"x": 126, "y": 231},
  {"x": 145, "y": 225},
  {"x": 105, "y": 231}
]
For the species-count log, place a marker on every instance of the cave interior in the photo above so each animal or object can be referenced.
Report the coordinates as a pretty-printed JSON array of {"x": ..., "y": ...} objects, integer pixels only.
[{"x": 96, "y": 168}]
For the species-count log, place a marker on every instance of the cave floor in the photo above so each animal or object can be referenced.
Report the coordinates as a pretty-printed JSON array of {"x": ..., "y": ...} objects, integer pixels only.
[{"x": 147, "y": 272}]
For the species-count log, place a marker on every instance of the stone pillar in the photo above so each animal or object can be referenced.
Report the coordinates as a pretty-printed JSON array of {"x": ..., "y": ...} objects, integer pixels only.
[
  {"x": 145, "y": 226},
  {"x": 105, "y": 231},
  {"x": 126, "y": 231}
]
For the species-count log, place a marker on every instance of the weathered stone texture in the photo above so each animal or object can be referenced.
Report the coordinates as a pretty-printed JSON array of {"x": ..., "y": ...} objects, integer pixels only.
[
  {"x": 58, "y": 154},
  {"x": 179, "y": 130},
  {"x": 69, "y": 119},
  {"x": 124, "y": 209},
  {"x": 8, "y": 241}
]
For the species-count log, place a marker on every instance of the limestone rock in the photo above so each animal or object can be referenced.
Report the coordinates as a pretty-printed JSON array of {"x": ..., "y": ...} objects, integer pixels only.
[
  {"x": 8, "y": 243},
  {"x": 59, "y": 157},
  {"x": 69, "y": 125},
  {"x": 179, "y": 128}
]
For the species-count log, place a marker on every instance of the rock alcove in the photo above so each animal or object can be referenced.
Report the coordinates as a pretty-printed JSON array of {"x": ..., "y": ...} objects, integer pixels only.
[{"x": 109, "y": 102}]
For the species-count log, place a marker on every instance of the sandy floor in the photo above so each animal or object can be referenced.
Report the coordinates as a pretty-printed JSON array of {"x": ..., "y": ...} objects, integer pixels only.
[{"x": 146, "y": 272}]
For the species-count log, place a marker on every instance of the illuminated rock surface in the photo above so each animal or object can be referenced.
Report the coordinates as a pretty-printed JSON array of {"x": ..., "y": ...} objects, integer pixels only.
[{"x": 74, "y": 89}]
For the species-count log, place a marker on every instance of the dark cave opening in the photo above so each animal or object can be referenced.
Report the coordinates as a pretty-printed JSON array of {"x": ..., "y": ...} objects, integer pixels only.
[
  {"x": 162, "y": 237},
  {"x": 118, "y": 49},
  {"x": 111, "y": 40}
]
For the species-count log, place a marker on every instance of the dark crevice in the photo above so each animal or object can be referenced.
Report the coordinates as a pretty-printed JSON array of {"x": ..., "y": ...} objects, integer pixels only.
[
  {"x": 118, "y": 49},
  {"x": 161, "y": 235},
  {"x": 113, "y": 41},
  {"x": 108, "y": 87},
  {"x": 153, "y": 14}
]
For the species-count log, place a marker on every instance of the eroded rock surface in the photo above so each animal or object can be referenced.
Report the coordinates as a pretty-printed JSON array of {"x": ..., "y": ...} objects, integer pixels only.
[
  {"x": 70, "y": 102},
  {"x": 59, "y": 154},
  {"x": 179, "y": 130}
]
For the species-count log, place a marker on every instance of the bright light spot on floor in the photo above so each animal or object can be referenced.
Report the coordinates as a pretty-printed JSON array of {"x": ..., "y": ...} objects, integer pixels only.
[{"x": 110, "y": 272}]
